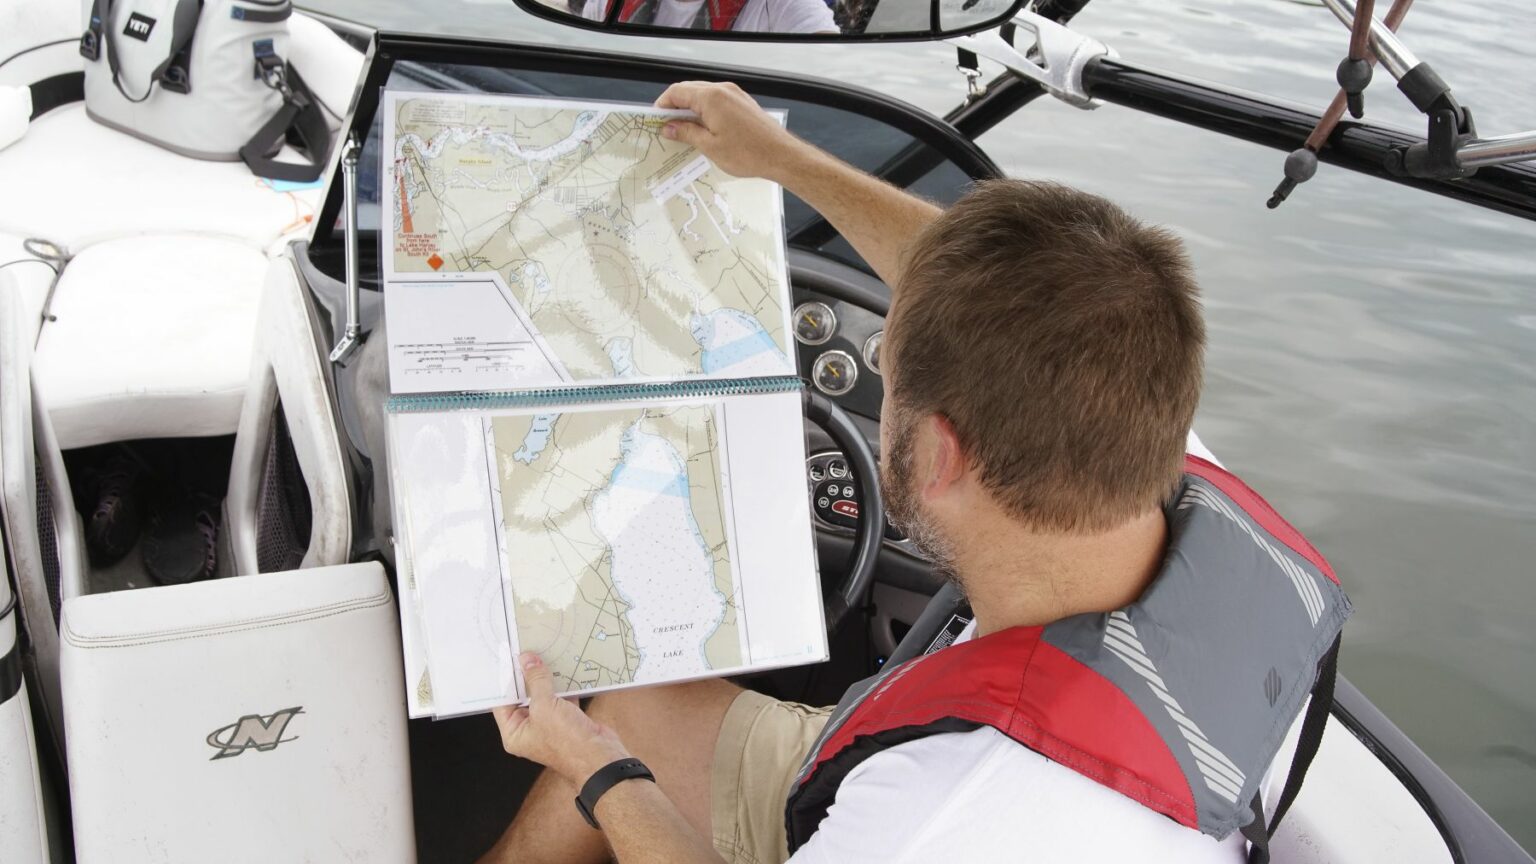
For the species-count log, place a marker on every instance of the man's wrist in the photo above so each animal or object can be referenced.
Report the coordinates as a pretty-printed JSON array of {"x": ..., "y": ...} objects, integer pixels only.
[
  {"x": 594, "y": 761},
  {"x": 800, "y": 158},
  {"x": 601, "y": 784}
]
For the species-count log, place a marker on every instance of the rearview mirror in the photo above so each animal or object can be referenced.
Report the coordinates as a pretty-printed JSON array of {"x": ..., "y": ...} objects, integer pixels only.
[{"x": 834, "y": 20}]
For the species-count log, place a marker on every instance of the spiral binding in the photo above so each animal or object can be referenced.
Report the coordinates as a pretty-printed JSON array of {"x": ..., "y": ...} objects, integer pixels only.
[{"x": 571, "y": 395}]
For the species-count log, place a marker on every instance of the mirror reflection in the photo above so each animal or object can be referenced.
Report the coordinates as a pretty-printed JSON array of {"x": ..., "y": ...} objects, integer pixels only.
[{"x": 849, "y": 18}]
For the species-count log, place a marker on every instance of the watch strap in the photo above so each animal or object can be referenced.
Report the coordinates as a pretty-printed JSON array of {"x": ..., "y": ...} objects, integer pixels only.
[{"x": 606, "y": 778}]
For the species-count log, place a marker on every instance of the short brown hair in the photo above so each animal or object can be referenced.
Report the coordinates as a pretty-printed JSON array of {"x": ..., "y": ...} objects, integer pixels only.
[{"x": 1063, "y": 340}]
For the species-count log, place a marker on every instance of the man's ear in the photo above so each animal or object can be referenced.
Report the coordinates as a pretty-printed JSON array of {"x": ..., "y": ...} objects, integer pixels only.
[{"x": 945, "y": 457}]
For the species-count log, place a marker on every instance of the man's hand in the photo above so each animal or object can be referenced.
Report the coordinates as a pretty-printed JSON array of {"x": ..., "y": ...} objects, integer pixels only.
[
  {"x": 742, "y": 139},
  {"x": 734, "y": 131},
  {"x": 641, "y": 824},
  {"x": 554, "y": 732}
]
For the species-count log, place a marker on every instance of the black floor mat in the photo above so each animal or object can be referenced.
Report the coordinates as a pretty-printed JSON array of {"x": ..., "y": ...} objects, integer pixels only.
[{"x": 465, "y": 787}]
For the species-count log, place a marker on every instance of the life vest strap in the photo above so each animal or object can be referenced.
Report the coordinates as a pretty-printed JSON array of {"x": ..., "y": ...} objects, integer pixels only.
[{"x": 1311, "y": 739}]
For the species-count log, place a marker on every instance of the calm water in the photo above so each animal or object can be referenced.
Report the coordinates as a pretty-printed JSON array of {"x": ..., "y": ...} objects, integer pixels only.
[{"x": 1373, "y": 348}]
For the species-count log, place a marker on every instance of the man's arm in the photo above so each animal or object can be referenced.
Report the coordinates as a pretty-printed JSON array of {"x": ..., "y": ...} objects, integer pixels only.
[
  {"x": 641, "y": 824},
  {"x": 742, "y": 139}
]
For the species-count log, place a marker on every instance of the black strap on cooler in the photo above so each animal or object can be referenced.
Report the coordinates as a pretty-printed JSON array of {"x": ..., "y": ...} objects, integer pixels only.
[
  {"x": 300, "y": 114},
  {"x": 1312, "y": 727}
]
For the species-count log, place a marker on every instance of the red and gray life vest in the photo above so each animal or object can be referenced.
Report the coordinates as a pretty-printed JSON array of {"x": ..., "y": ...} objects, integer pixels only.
[
  {"x": 718, "y": 15},
  {"x": 1180, "y": 700}
]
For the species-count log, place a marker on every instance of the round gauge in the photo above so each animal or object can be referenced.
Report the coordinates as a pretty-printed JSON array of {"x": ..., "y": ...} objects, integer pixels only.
[
  {"x": 872, "y": 351},
  {"x": 834, "y": 373},
  {"x": 814, "y": 323}
]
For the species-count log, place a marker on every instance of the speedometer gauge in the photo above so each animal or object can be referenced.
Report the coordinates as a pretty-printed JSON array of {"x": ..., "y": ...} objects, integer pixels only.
[
  {"x": 814, "y": 323},
  {"x": 834, "y": 373}
]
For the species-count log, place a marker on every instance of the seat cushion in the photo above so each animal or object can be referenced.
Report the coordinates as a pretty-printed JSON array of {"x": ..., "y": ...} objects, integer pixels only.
[
  {"x": 74, "y": 181},
  {"x": 152, "y": 338},
  {"x": 251, "y": 719}
]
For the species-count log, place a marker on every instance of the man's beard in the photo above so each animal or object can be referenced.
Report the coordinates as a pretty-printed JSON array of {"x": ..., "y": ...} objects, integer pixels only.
[{"x": 903, "y": 508}]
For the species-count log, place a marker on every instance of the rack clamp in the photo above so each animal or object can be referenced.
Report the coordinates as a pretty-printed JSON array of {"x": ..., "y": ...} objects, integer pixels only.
[
  {"x": 1056, "y": 59},
  {"x": 1450, "y": 127}
]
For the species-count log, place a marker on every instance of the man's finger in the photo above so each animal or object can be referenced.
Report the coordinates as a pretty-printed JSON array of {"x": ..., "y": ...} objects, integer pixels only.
[
  {"x": 687, "y": 132},
  {"x": 683, "y": 94},
  {"x": 510, "y": 720},
  {"x": 537, "y": 678}
]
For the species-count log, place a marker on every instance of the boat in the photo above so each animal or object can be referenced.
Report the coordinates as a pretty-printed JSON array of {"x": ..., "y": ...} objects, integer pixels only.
[{"x": 193, "y": 314}]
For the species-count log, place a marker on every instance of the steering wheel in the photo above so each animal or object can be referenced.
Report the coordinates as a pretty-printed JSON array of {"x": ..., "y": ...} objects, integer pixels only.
[{"x": 860, "y": 575}]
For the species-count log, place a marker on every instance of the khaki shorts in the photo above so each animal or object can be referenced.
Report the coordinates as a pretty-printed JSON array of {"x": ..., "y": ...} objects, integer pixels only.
[{"x": 762, "y": 743}]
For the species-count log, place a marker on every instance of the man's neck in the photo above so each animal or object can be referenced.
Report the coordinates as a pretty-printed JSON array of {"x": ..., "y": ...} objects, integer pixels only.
[{"x": 1015, "y": 577}]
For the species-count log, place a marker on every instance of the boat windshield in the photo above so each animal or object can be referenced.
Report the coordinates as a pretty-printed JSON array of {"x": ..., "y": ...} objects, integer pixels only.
[{"x": 871, "y": 143}]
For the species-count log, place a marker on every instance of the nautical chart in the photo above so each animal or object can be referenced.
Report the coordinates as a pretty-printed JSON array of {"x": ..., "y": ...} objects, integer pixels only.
[
  {"x": 615, "y": 532},
  {"x": 576, "y": 243}
]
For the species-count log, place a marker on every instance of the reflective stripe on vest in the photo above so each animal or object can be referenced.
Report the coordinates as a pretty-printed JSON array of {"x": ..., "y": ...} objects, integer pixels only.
[{"x": 1179, "y": 701}]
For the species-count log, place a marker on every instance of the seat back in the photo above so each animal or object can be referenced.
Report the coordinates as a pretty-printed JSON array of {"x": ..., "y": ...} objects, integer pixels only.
[
  {"x": 287, "y": 505},
  {"x": 256, "y": 718},
  {"x": 42, "y": 529},
  {"x": 24, "y": 828}
]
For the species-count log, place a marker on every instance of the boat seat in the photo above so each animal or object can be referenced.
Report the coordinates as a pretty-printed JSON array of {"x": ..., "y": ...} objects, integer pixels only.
[
  {"x": 151, "y": 338},
  {"x": 249, "y": 719},
  {"x": 288, "y": 445},
  {"x": 75, "y": 182},
  {"x": 44, "y": 544}
]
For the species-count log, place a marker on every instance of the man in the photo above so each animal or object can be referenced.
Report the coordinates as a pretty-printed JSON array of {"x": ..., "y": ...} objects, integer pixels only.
[
  {"x": 1146, "y": 629},
  {"x": 742, "y": 16}
]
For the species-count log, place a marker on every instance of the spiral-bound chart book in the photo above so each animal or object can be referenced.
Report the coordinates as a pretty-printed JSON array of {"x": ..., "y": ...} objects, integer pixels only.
[{"x": 595, "y": 441}]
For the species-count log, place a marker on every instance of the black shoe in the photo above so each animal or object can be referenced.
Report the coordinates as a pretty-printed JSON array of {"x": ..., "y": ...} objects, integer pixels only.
[
  {"x": 114, "y": 523},
  {"x": 182, "y": 543}
]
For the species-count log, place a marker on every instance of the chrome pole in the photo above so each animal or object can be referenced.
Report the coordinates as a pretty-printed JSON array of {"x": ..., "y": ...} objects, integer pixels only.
[
  {"x": 1394, "y": 55},
  {"x": 349, "y": 336},
  {"x": 1478, "y": 152}
]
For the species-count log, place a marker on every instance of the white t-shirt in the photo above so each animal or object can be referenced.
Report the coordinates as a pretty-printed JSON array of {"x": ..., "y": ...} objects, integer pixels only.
[
  {"x": 758, "y": 16},
  {"x": 981, "y": 797}
]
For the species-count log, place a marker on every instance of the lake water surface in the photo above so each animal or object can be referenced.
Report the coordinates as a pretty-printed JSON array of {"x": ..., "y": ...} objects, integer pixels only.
[{"x": 1372, "y": 366}]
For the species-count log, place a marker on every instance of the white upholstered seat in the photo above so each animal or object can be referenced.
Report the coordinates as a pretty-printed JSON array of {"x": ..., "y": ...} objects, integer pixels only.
[
  {"x": 152, "y": 338},
  {"x": 249, "y": 719},
  {"x": 74, "y": 181}
]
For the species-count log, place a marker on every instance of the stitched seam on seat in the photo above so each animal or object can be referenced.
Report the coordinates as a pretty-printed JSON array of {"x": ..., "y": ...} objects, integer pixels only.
[
  {"x": 276, "y": 616},
  {"x": 152, "y": 636}
]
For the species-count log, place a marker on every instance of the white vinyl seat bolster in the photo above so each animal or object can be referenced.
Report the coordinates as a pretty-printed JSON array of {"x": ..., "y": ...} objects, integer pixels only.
[
  {"x": 329, "y": 66},
  {"x": 285, "y": 365},
  {"x": 26, "y": 437},
  {"x": 40, "y": 38},
  {"x": 248, "y": 719},
  {"x": 15, "y": 113},
  {"x": 23, "y": 825}
]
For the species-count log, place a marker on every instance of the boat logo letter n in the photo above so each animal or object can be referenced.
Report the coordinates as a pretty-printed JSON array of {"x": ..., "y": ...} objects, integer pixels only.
[{"x": 253, "y": 730}]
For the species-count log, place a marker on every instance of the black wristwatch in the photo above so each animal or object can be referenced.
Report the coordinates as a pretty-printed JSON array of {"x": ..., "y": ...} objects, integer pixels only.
[{"x": 606, "y": 778}]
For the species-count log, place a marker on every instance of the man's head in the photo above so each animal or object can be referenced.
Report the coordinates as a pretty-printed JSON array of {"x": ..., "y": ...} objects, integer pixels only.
[{"x": 1042, "y": 357}]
